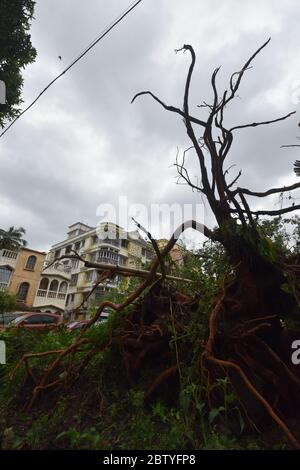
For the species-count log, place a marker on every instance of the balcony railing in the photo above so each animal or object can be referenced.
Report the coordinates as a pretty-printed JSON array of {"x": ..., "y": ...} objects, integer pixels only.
[
  {"x": 9, "y": 257},
  {"x": 51, "y": 294},
  {"x": 3, "y": 285},
  {"x": 9, "y": 254},
  {"x": 57, "y": 267}
]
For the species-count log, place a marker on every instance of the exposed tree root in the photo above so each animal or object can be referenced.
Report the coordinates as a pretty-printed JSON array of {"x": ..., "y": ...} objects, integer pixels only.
[
  {"x": 209, "y": 359},
  {"x": 242, "y": 346},
  {"x": 160, "y": 379}
]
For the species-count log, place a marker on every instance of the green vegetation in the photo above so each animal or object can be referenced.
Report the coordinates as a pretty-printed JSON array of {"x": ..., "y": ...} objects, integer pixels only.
[
  {"x": 7, "y": 302},
  {"x": 104, "y": 408},
  {"x": 12, "y": 239},
  {"x": 16, "y": 51}
]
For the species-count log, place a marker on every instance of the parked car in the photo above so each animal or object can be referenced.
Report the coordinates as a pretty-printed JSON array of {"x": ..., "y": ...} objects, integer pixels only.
[
  {"x": 7, "y": 318},
  {"x": 76, "y": 324},
  {"x": 37, "y": 321}
]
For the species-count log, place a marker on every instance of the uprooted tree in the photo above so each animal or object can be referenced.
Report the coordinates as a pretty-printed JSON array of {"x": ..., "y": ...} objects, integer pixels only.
[{"x": 246, "y": 323}]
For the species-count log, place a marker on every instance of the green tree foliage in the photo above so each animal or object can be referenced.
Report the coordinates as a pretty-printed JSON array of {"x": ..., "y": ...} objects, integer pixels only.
[
  {"x": 12, "y": 238},
  {"x": 7, "y": 302},
  {"x": 16, "y": 51},
  {"x": 284, "y": 233}
]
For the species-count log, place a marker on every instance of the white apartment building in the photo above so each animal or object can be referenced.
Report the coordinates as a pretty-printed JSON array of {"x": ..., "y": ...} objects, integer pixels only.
[{"x": 108, "y": 243}]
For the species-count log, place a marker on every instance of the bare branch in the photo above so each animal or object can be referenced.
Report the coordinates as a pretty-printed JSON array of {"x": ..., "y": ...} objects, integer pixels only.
[
  {"x": 169, "y": 108},
  {"x": 102, "y": 277},
  {"x": 190, "y": 131},
  {"x": 183, "y": 173},
  {"x": 277, "y": 212},
  {"x": 292, "y": 145},
  {"x": 118, "y": 269},
  {"x": 235, "y": 86},
  {"x": 155, "y": 246},
  {"x": 235, "y": 179},
  {"x": 255, "y": 124},
  {"x": 267, "y": 193},
  {"x": 273, "y": 212},
  {"x": 248, "y": 211},
  {"x": 75, "y": 256},
  {"x": 214, "y": 87}
]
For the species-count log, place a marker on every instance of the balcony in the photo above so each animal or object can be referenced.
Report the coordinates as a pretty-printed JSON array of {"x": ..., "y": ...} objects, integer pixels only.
[
  {"x": 58, "y": 269},
  {"x": 111, "y": 242},
  {"x": 51, "y": 294},
  {"x": 8, "y": 257},
  {"x": 46, "y": 297}
]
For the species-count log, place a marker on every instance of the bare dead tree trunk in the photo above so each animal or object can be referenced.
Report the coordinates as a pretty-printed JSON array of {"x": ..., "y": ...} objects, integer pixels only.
[{"x": 212, "y": 140}]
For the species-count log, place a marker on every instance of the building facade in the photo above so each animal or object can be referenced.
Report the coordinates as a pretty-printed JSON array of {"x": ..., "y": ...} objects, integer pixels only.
[
  {"x": 52, "y": 289},
  {"x": 20, "y": 273},
  {"x": 49, "y": 284},
  {"x": 108, "y": 244}
]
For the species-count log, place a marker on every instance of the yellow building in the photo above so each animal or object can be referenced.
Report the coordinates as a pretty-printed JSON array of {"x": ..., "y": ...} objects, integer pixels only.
[{"x": 20, "y": 273}]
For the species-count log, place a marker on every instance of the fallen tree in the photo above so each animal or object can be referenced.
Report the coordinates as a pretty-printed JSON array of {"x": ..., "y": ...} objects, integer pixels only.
[{"x": 246, "y": 324}]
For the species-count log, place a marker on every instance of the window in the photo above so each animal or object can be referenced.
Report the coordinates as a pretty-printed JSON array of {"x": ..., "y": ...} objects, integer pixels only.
[
  {"x": 57, "y": 254},
  {"x": 68, "y": 249},
  {"x": 143, "y": 252},
  {"x": 89, "y": 276},
  {"x": 94, "y": 239},
  {"x": 53, "y": 286},
  {"x": 23, "y": 291},
  {"x": 44, "y": 283},
  {"x": 112, "y": 241},
  {"x": 31, "y": 261},
  {"x": 74, "y": 279},
  {"x": 69, "y": 299},
  {"x": 124, "y": 243},
  {"x": 99, "y": 292},
  {"x": 75, "y": 263},
  {"x": 94, "y": 257},
  {"x": 77, "y": 246},
  {"x": 5, "y": 273},
  {"x": 63, "y": 287},
  {"x": 122, "y": 260},
  {"x": 108, "y": 256},
  {"x": 38, "y": 319},
  {"x": 47, "y": 319}
]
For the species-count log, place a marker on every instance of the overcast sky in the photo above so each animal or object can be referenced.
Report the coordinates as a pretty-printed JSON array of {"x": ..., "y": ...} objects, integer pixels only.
[{"x": 84, "y": 144}]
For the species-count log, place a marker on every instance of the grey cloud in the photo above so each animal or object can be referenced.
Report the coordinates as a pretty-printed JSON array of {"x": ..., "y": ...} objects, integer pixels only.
[{"x": 84, "y": 143}]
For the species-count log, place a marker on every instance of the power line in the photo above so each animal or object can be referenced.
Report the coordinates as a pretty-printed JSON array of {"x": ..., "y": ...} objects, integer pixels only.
[
  {"x": 122, "y": 14},
  {"x": 80, "y": 56}
]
